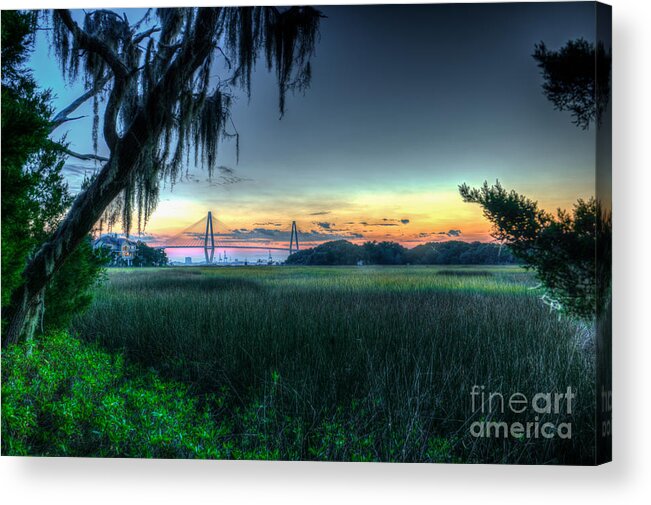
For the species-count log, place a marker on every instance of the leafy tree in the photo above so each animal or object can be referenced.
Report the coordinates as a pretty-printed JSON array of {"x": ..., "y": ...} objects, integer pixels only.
[
  {"x": 25, "y": 114},
  {"x": 453, "y": 252},
  {"x": 456, "y": 252},
  {"x": 385, "y": 253},
  {"x": 577, "y": 79},
  {"x": 148, "y": 256},
  {"x": 561, "y": 248},
  {"x": 167, "y": 82},
  {"x": 34, "y": 194},
  {"x": 337, "y": 252}
]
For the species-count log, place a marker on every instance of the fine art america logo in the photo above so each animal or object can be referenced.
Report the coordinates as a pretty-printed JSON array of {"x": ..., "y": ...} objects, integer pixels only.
[{"x": 532, "y": 412}]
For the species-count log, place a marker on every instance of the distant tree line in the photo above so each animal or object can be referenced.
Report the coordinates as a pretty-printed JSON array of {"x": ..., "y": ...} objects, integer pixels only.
[
  {"x": 149, "y": 257},
  {"x": 143, "y": 256},
  {"x": 453, "y": 252}
]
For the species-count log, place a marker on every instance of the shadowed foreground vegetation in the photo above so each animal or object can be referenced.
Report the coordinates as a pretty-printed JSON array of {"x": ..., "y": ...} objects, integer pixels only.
[{"x": 339, "y": 363}]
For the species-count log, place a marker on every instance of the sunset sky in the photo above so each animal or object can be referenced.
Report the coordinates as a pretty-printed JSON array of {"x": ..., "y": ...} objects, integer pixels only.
[{"x": 406, "y": 103}]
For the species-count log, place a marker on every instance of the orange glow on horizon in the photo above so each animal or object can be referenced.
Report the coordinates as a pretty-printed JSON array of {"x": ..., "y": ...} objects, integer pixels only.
[
  {"x": 405, "y": 215},
  {"x": 409, "y": 218}
]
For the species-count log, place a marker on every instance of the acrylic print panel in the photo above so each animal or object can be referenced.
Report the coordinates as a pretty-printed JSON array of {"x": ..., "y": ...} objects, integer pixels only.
[{"x": 339, "y": 233}]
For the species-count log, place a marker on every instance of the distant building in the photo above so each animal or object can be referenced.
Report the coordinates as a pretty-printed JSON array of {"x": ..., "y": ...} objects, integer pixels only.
[
  {"x": 121, "y": 249},
  {"x": 188, "y": 260}
]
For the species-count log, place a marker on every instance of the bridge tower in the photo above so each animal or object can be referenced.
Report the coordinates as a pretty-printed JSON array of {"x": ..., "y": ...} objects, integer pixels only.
[
  {"x": 293, "y": 238},
  {"x": 209, "y": 240}
]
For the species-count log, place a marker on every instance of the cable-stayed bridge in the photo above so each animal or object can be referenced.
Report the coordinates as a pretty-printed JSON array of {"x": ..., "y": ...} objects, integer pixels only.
[{"x": 210, "y": 233}]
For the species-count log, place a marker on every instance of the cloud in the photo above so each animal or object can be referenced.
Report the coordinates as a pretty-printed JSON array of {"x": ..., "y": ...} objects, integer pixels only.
[
  {"x": 436, "y": 234},
  {"x": 225, "y": 180},
  {"x": 320, "y": 213},
  {"x": 265, "y": 235},
  {"x": 449, "y": 233},
  {"x": 365, "y": 223},
  {"x": 75, "y": 173},
  {"x": 77, "y": 169},
  {"x": 225, "y": 170},
  {"x": 387, "y": 220},
  {"x": 266, "y": 232},
  {"x": 145, "y": 237}
]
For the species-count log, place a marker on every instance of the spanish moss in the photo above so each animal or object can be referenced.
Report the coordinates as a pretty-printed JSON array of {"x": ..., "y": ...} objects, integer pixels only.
[{"x": 129, "y": 61}]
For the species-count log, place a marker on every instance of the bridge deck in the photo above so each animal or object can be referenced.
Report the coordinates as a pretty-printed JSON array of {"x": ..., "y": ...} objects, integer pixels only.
[
  {"x": 221, "y": 246},
  {"x": 195, "y": 238}
]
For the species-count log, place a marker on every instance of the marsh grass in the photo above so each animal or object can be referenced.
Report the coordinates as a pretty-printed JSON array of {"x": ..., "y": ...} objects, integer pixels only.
[
  {"x": 465, "y": 273},
  {"x": 354, "y": 363}
]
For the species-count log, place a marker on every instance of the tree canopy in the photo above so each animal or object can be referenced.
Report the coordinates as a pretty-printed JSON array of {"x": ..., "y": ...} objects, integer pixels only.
[
  {"x": 452, "y": 252},
  {"x": 576, "y": 79},
  {"x": 561, "y": 248},
  {"x": 148, "y": 256}
]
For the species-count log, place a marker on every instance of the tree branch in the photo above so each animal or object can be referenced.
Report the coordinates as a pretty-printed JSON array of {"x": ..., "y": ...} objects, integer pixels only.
[
  {"x": 143, "y": 35},
  {"x": 84, "y": 157},
  {"x": 111, "y": 114},
  {"x": 93, "y": 44},
  {"x": 65, "y": 120},
  {"x": 62, "y": 116},
  {"x": 142, "y": 19}
]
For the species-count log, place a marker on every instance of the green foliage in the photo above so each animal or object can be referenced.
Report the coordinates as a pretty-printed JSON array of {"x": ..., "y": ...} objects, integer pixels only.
[
  {"x": 146, "y": 256},
  {"x": 338, "y": 252},
  {"x": 17, "y": 37},
  {"x": 70, "y": 290},
  {"x": 34, "y": 194},
  {"x": 385, "y": 253},
  {"x": 61, "y": 397},
  {"x": 577, "y": 79},
  {"x": 456, "y": 252},
  {"x": 452, "y": 252},
  {"x": 25, "y": 113},
  {"x": 440, "y": 450},
  {"x": 561, "y": 249}
]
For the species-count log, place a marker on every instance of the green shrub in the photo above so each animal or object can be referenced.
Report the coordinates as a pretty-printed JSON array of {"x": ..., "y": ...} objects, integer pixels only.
[{"x": 61, "y": 397}]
